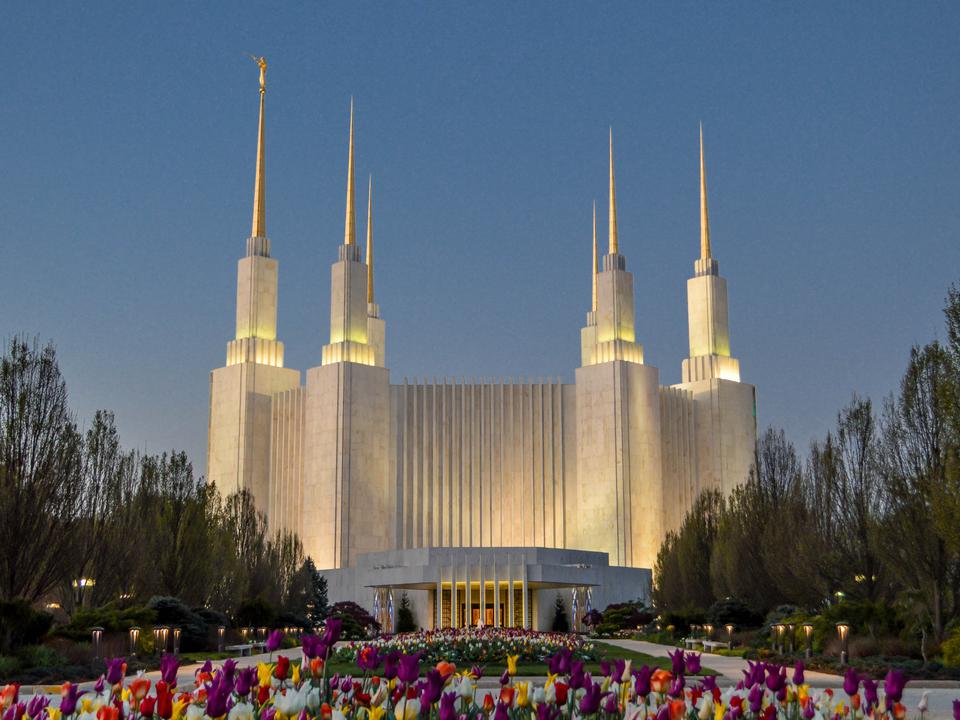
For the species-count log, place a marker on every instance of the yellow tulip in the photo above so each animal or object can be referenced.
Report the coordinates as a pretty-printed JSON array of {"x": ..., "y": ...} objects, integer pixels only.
[
  {"x": 522, "y": 690},
  {"x": 551, "y": 679},
  {"x": 178, "y": 707},
  {"x": 512, "y": 664},
  {"x": 296, "y": 674},
  {"x": 718, "y": 711},
  {"x": 264, "y": 673},
  {"x": 376, "y": 713},
  {"x": 54, "y": 713}
]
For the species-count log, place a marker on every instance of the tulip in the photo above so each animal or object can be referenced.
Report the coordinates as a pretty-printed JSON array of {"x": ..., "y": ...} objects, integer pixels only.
[
  {"x": 512, "y": 664},
  {"x": 281, "y": 671},
  {"x": 590, "y": 702},
  {"x": 693, "y": 664},
  {"x": 311, "y": 646},
  {"x": 37, "y": 705},
  {"x": 169, "y": 665},
  {"x": 146, "y": 706},
  {"x": 642, "y": 684},
  {"x": 448, "y": 706},
  {"x": 432, "y": 688},
  {"x": 390, "y": 665},
  {"x": 506, "y": 695},
  {"x": 246, "y": 679},
  {"x": 164, "y": 701},
  {"x": 409, "y": 668},
  {"x": 870, "y": 698},
  {"x": 851, "y": 682},
  {"x": 116, "y": 669},
  {"x": 501, "y": 712},
  {"x": 956, "y": 710},
  {"x": 331, "y": 631},
  {"x": 660, "y": 680},
  {"x": 610, "y": 704},
  {"x": 139, "y": 688},
  {"x": 798, "y": 673},
  {"x": 561, "y": 690},
  {"x": 546, "y": 712},
  {"x": 108, "y": 712},
  {"x": 368, "y": 658},
  {"x": 676, "y": 687},
  {"x": 893, "y": 686},
  {"x": 677, "y": 660},
  {"x": 274, "y": 640},
  {"x": 69, "y": 694}
]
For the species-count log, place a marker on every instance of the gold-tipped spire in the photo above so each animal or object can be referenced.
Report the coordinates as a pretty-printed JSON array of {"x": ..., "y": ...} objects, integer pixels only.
[
  {"x": 370, "y": 241},
  {"x": 350, "y": 229},
  {"x": 613, "y": 203},
  {"x": 259, "y": 225},
  {"x": 594, "y": 307},
  {"x": 704, "y": 217}
]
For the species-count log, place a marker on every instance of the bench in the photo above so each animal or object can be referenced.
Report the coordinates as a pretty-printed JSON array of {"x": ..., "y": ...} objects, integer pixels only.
[
  {"x": 714, "y": 644},
  {"x": 691, "y": 642},
  {"x": 244, "y": 648}
]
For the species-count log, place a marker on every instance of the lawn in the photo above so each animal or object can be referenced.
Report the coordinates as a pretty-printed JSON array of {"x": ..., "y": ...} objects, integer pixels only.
[{"x": 609, "y": 652}]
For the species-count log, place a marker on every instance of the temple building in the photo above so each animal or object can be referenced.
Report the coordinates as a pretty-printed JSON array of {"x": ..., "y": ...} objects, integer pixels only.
[{"x": 481, "y": 500}]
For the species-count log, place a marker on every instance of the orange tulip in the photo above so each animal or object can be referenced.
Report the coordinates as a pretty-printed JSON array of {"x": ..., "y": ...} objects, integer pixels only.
[
  {"x": 899, "y": 711},
  {"x": 506, "y": 695},
  {"x": 677, "y": 709},
  {"x": 660, "y": 680},
  {"x": 108, "y": 712},
  {"x": 139, "y": 688},
  {"x": 446, "y": 669}
]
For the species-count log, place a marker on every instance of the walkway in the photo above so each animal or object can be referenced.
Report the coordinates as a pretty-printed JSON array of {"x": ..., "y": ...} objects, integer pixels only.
[{"x": 940, "y": 693}]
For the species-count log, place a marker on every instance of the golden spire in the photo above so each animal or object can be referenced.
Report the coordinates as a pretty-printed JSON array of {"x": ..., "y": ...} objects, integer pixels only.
[
  {"x": 370, "y": 241},
  {"x": 613, "y": 203},
  {"x": 704, "y": 218},
  {"x": 259, "y": 225},
  {"x": 594, "y": 256},
  {"x": 350, "y": 229}
]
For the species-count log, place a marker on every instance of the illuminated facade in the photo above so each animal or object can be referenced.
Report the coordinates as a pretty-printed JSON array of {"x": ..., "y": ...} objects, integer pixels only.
[{"x": 482, "y": 499}]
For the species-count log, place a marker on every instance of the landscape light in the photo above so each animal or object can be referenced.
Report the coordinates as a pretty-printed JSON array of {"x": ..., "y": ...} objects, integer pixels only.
[
  {"x": 843, "y": 632},
  {"x": 134, "y": 640}
]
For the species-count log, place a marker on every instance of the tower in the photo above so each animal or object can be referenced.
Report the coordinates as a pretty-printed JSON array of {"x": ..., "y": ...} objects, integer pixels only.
[
  {"x": 238, "y": 442},
  {"x": 617, "y": 418},
  {"x": 347, "y": 498},
  {"x": 725, "y": 408}
]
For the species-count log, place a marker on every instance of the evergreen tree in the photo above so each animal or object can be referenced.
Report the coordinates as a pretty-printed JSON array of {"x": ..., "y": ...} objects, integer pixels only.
[
  {"x": 317, "y": 609},
  {"x": 406, "y": 622},
  {"x": 560, "y": 621}
]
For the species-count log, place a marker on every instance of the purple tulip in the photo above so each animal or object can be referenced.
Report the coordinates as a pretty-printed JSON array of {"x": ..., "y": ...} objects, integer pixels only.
[
  {"x": 851, "y": 682},
  {"x": 269, "y": 713},
  {"x": 798, "y": 673},
  {"x": 755, "y": 698},
  {"x": 776, "y": 678},
  {"x": 99, "y": 685},
  {"x": 545, "y": 711},
  {"x": 115, "y": 670},
  {"x": 956, "y": 710},
  {"x": 477, "y": 672},
  {"x": 559, "y": 663},
  {"x": 368, "y": 658},
  {"x": 619, "y": 665},
  {"x": 448, "y": 706},
  {"x": 893, "y": 686},
  {"x": 246, "y": 679},
  {"x": 390, "y": 666},
  {"x": 501, "y": 712},
  {"x": 709, "y": 683},
  {"x": 693, "y": 664},
  {"x": 809, "y": 711},
  {"x": 578, "y": 678},
  {"x": 168, "y": 669},
  {"x": 409, "y": 669},
  {"x": 505, "y": 678},
  {"x": 274, "y": 640},
  {"x": 664, "y": 712},
  {"x": 610, "y": 704},
  {"x": 217, "y": 696},
  {"x": 331, "y": 631},
  {"x": 14, "y": 712},
  {"x": 677, "y": 660},
  {"x": 870, "y": 697},
  {"x": 606, "y": 669},
  {"x": 643, "y": 680},
  {"x": 346, "y": 685},
  {"x": 676, "y": 686},
  {"x": 590, "y": 702},
  {"x": 230, "y": 669},
  {"x": 311, "y": 646},
  {"x": 432, "y": 688},
  {"x": 68, "y": 703},
  {"x": 36, "y": 706}
]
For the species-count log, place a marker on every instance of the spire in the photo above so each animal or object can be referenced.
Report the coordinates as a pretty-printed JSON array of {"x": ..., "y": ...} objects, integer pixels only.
[
  {"x": 350, "y": 229},
  {"x": 259, "y": 225},
  {"x": 594, "y": 271},
  {"x": 370, "y": 241},
  {"x": 613, "y": 203},
  {"x": 704, "y": 218}
]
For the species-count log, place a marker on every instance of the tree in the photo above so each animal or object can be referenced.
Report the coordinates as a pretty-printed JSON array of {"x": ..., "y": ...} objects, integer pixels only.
[
  {"x": 41, "y": 478},
  {"x": 683, "y": 564},
  {"x": 560, "y": 621},
  {"x": 406, "y": 622}
]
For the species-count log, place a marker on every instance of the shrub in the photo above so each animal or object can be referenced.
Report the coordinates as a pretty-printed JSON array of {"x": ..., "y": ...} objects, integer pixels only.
[
  {"x": 9, "y": 666},
  {"x": 734, "y": 611},
  {"x": 255, "y": 613},
  {"x": 173, "y": 612},
  {"x": 40, "y": 656},
  {"x": 560, "y": 621},
  {"x": 950, "y": 648},
  {"x": 109, "y": 617},
  {"x": 357, "y": 622},
  {"x": 21, "y": 625},
  {"x": 406, "y": 622}
]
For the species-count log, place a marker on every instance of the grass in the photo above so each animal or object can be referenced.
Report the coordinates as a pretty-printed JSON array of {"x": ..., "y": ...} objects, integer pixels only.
[{"x": 607, "y": 652}]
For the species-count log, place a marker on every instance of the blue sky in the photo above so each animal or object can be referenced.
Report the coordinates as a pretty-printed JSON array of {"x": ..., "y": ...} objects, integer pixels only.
[{"x": 127, "y": 141}]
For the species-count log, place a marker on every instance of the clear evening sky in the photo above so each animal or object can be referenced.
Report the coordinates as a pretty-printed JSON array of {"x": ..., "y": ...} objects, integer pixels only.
[{"x": 127, "y": 141}]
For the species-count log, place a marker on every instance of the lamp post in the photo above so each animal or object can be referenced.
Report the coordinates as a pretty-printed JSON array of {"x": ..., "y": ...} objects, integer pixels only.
[
  {"x": 96, "y": 638},
  {"x": 81, "y": 590},
  {"x": 808, "y": 635},
  {"x": 134, "y": 640},
  {"x": 263, "y": 634},
  {"x": 791, "y": 634},
  {"x": 709, "y": 630},
  {"x": 780, "y": 628},
  {"x": 729, "y": 627},
  {"x": 221, "y": 636},
  {"x": 176, "y": 641},
  {"x": 160, "y": 634},
  {"x": 843, "y": 632}
]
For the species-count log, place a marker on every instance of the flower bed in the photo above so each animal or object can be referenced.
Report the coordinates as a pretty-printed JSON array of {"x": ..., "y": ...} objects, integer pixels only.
[
  {"x": 391, "y": 685},
  {"x": 481, "y": 646}
]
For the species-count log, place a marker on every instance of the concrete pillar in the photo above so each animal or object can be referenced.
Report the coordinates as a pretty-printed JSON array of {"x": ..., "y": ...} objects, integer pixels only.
[
  {"x": 496, "y": 595},
  {"x": 439, "y": 608},
  {"x": 483, "y": 591},
  {"x": 509, "y": 593},
  {"x": 523, "y": 585}
]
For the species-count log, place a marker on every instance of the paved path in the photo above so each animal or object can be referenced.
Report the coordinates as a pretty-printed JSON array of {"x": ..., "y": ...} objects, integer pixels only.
[{"x": 940, "y": 693}]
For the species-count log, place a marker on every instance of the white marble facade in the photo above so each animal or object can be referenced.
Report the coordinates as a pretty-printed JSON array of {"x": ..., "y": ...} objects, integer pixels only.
[{"x": 358, "y": 466}]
